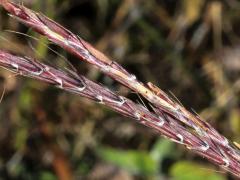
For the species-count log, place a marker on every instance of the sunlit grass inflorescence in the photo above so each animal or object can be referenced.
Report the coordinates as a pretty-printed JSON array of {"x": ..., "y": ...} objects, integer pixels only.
[{"x": 169, "y": 118}]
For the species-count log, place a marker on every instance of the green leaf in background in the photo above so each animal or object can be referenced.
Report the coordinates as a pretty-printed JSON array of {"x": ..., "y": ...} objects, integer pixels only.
[
  {"x": 235, "y": 122},
  {"x": 47, "y": 176},
  {"x": 187, "y": 171},
  {"x": 20, "y": 137},
  {"x": 134, "y": 161},
  {"x": 162, "y": 148},
  {"x": 25, "y": 99}
]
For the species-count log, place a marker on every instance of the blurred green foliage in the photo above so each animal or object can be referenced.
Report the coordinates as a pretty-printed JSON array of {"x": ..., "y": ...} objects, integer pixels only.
[
  {"x": 135, "y": 162},
  {"x": 188, "y": 171}
]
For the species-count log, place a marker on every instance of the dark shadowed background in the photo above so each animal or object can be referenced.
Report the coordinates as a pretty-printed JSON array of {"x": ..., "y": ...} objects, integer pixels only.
[{"x": 189, "y": 48}]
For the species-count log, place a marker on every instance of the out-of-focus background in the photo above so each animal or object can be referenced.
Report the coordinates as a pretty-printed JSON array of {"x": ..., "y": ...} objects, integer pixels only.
[{"x": 189, "y": 48}]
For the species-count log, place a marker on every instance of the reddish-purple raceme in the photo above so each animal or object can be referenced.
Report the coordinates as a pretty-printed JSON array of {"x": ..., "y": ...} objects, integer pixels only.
[{"x": 169, "y": 118}]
